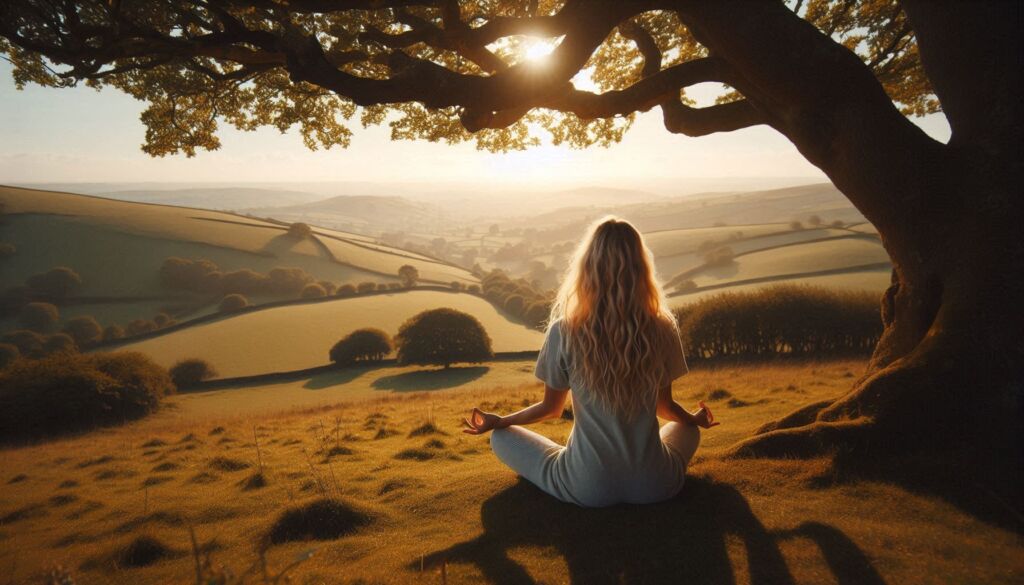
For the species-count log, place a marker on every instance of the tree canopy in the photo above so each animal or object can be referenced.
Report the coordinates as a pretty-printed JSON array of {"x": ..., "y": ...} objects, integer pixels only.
[{"x": 440, "y": 70}]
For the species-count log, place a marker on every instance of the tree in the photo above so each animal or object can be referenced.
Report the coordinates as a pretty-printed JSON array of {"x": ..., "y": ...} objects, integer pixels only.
[
  {"x": 409, "y": 275},
  {"x": 367, "y": 286},
  {"x": 345, "y": 290},
  {"x": 369, "y": 344},
  {"x": 313, "y": 291},
  {"x": 113, "y": 333},
  {"x": 836, "y": 78},
  {"x": 441, "y": 337},
  {"x": 815, "y": 220},
  {"x": 233, "y": 302},
  {"x": 85, "y": 330},
  {"x": 300, "y": 231},
  {"x": 59, "y": 343},
  {"x": 191, "y": 371},
  {"x": 40, "y": 317},
  {"x": 55, "y": 284}
]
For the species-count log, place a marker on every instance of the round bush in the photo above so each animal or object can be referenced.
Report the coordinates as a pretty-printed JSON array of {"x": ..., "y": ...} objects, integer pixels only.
[
  {"x": 329, "y": 287},
  {"x": 40, "y": 317},
  {"x": 473, "y": 288},
  {"x": 391, "y": 286},
  {"x": 367, "y": 344},
  {"x": 8, "y": 353},
  {"x": 345, "y": 290},
  {"x": 56, "y": 283},
  {"x": 455, "y": 285},
  {"x": 29, "y": 343},
  {"x": 365, "y": 287},
  {"x": 514, "y": 304},
  {"x": 189, "y": 372},
  {"x": 233, "y": 302},
  {"x": 68, "y": 393},
  {"x": 113, "y": 332},
  {"x": 59, "y": 343},
  {"x": 408, "y": 274},
  {"x": 313, "y": 291},
  {"x": 85, "y": 330},
  {"x": 300, "y": 230},
  {"x": 442, "y": 337},
  {"x": 139, "y": 326}
]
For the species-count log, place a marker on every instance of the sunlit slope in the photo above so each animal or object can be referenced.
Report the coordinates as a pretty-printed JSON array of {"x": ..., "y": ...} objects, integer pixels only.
[
  {"x": 300, "y": 336},
  {"x": 873, "y": 280},
  {"x": 224, "y": 230}
]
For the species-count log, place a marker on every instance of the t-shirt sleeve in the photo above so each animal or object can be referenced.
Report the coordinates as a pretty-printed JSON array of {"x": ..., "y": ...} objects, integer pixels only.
[
  {"x": 552, "y": 368},
  {"x": 675, "y": 361}
]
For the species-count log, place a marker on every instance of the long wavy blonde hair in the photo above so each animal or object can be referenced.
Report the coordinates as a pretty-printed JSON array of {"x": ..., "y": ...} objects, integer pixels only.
[{"x": 616, "y": 322}]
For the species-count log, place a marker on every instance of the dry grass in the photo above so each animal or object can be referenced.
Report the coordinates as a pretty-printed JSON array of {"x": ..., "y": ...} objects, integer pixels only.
[{"x": 386, "y": 503}]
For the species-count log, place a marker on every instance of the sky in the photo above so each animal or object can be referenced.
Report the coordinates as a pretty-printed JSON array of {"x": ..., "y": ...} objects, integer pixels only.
[{"x": 82, "y": 135}]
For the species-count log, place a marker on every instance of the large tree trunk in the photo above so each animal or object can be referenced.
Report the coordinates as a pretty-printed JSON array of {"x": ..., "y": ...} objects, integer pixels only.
[{"x": 948, "y": 368}]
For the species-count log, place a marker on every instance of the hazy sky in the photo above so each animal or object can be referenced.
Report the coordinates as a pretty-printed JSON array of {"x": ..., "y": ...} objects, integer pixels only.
[{"x": 81, "y": 135}]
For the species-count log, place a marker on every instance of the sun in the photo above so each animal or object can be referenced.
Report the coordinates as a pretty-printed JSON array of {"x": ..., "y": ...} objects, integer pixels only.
[{"x": 538, "y": 50}]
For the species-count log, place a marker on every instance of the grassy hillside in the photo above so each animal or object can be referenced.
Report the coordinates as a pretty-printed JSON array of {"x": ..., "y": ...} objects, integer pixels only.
[
  {"x": 117, "y": 247},
  {"x": 408, "y": 496},
  {"x": 299, "y": 336}
]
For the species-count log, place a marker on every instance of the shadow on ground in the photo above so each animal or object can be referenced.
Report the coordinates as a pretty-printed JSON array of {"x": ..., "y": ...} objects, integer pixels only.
[
  {"x": 337, "y": 377},
  {"x": 679, "y": 541},
  {"x": 424, "y": 380}
]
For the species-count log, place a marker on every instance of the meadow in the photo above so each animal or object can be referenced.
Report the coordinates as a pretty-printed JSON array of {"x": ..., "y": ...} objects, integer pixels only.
[{"x": 377, "y": 485}]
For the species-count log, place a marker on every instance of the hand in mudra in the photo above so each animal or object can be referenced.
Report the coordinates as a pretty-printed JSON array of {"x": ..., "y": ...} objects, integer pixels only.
[
  {"x": 703, "y": 417},
  {"x": 479, "y": 422}
]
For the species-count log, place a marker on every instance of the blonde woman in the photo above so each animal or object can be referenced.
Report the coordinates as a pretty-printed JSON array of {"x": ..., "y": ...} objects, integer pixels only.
[{"x": 612, "y": 340}]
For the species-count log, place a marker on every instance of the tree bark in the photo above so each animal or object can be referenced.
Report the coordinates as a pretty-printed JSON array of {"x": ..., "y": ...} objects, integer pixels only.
[{"x": 949, "y": 363}]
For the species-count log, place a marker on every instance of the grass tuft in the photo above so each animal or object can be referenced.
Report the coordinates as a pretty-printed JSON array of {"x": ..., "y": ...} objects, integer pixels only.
[
  {"x": 228, "y": 464},
  {"x": 319, "y": 519}
]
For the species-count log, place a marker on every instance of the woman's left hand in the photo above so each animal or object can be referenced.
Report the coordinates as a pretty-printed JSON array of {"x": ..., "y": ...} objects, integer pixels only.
[
  {"x": 479, "y": 422},
  {"x": 703, "y": 417}
]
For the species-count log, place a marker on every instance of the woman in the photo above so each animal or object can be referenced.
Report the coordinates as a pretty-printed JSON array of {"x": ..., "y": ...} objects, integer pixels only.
[{"x": 613, "y": 341}]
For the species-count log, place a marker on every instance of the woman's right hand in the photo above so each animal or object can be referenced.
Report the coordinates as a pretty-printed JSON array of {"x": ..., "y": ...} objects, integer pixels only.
[
  {"x": 703, "y": 417},
  {"x": 479, "y": 422}
]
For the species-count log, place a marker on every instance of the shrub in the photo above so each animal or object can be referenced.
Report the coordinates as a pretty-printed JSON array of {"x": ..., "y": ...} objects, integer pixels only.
[
  {"x": 139, "y": 326},
  {"x": 390, "y": 285},
  {"x": 195, "y": 275},
  {"x": 7, "y": 249},
  {"x": 442, "y": 337},
  {"x": 365, "y": 287},
  {"x": 780, "y": 320},
  {"x": 189, "y": 372},
  {"x": 368, "y": 344},
  {"x": 244, "y": 281},
  {"x": 299, "y": 230},
  {"x": 55, "y": 284},
  {"x": 313, "y": 291},
  {"x": 40, "y": 317},
  {"x": 113, "y": 332},
  {"x": 232, "y": 302},
  {"x": 814, "y": 220},
  {"x": 455, "y": 285},
  {"x": 59, "y": 343},
  {"x": 408, "y": 274},
  {"x": 514, "y": 304},
  {"x": 345, "y": 290},
  {"x": 838, "y": 223},
  {"x": 473, "y": 288},
  {"x": 287, "y": 280},
  {"x": 329, "y": 287},
  {"x": 720, "y": 256},
  {"x": 8, "y": 353},
  {"x": 29, "y": 343},
  {"x": 85, "y": 330},
  {"x": 796, "y": 225},
  {"x": 62, "y": 393}
]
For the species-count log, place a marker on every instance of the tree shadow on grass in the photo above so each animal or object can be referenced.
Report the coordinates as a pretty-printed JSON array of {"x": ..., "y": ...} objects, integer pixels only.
[
  {"x": 682, "y": 540},
  {"x": 424, "y": 380},
  {"x": 337, "y": 377}
]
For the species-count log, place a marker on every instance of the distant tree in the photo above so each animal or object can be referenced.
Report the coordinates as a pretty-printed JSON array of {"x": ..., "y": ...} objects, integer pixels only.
[
  {"x": 493, "y": 230},
  {"x": 139, "y": 326},
  {"x": 162, "y": 320},
  {"x": 113, "y": 333},
  {"x": 85, "y": 330},
  {"x": 367, "y": 344},
  {"x": 29, "y": 343},
  {"x": 59, "y": 343},
  {"x": 345, "y": 290},
  {"x": 796, "y": 225},
  {"x": 299, "y": 230},
  {"x": 455, "y": 285},
  {"x": 720, "y": 256},
  {"x": 409, "y": 275},
  {"x": 287, "y": 280},
  {"x": 838, "y": 223},
  {"x": 200, "y": 275},
  {"x": 54, "y": 284},
  {"x": 442, "y": 337},
  {"x": 7, "y": 250},
  {"x": 8, "y": 353},
  {"x": 40, "y": 317},
  {"x": 365, "y": 287},
  {"x": 514, "y": 304},
  {"x": 329, "y": 287},
  {"x": 814, "y": 220},
  {"x": 391, "y": 285},
  {"x": 244, "y": 281},
  {"x": 473, "y": 288},
  {"x": 191, "y": 371},
  {"x": 537, "y": 313},
  {"x": 687, "y": 284},
  {"x": 233, "y": 302},
  {"x": 313, "y": 291}
]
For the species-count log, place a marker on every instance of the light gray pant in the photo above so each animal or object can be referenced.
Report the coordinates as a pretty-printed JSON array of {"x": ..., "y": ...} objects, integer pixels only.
[{"x": 528, "y": 453}]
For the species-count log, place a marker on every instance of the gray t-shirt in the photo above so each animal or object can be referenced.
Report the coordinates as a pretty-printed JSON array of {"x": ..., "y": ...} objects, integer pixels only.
[{"x": 607, "y": 458}]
